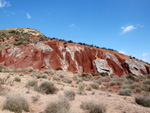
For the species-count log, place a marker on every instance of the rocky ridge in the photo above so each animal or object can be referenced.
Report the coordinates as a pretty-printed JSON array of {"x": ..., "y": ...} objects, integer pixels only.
[{"x": 25, "y": 47}]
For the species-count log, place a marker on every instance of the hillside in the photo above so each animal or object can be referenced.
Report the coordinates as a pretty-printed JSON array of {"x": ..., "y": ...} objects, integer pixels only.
[
  {"x": 25, "y": 47},
  {"x": 47, "y": 75}
]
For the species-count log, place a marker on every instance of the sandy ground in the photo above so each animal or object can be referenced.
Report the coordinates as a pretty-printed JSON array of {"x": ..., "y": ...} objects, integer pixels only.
[{"x": 114, "y": 103}]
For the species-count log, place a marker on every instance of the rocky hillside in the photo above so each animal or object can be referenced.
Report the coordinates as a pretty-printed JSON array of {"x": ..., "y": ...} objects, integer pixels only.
[{"x": 25, "y": 47}]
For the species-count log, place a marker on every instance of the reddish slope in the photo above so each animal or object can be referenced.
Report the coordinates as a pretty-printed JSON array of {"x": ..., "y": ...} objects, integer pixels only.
[{"x": 52, "y": 54}]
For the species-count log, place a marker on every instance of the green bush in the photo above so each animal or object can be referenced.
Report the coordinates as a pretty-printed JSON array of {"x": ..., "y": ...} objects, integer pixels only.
[
  {"x": 104, "y": 74},
  {"x": 95, "y": 85},
  {"x": 59, "y": 68},
  {"x": 143, "y": 100},
  {"x": 146, "y": 82},
  {"x": 32, "y": 83},
  {"x": 81, "y": 87},
  {"x": 67, "y": 81},
  {"x": 47, "y": 87},
  {"x": 16, "y": 104},
  {"x": 88, "y": 88},
  {"x": 60, "y": 106},
  {"x": 130, "y": 77},
  {"x": 93, "y": 107},
  {"x": 17, "y": 79},
  {"x": 1, "y": 68},
  {"x": 125, "y": 92},
  {"x": 86, "y": 77},
  {"x": 70, "y": 94}
]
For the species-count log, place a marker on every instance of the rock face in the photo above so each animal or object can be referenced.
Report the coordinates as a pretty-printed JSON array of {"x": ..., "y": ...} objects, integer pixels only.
[{"x": 52, "y": 54}]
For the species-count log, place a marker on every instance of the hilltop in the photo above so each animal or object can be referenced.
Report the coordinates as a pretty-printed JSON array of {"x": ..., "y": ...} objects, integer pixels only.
[{"x": 25, "y": 47}]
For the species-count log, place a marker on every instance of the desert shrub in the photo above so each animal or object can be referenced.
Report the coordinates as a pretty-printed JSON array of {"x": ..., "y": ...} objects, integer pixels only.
[
  {"x": 128, "y": 82},
  {"x": 35, "y": 98},
  {"x": 130, "y": 77},
  {"x": 48, "y": 72},
  {"x": 56, "y": 78},
  {"x": 125, "y": 92},
  {"x": 143, "y": 100},
  {"x": 67, "y": 81},
  {"x": 99, "y": 81},
  {"x": 138, "y": 90},
  {"x": 148, "y": 76},
  {"x": 118, "y": 83},
  {"x": 145, "y": 87},
  {"x": 86, "y": 77},
  {"x": 42, "y": 76},
  {"x": 146, "y": 82},
  {"x": 16, "y": 104},
  {"x": 94, "y": 85},
  {"x": 32, "y": 83},
  {"x": 134, "y": 85},
  {"x": 2, "y": 68},
  {"x": 60, "y": 106},
  {"x": 93, "y": 107},
  {"x": 88, "y": 88},
  {"x": 70, "y": 94},
  {"x": 104, "y": 74},
  {"x": 29, "y": 69},
  {"x": 61, "y": 76},
  {"x": 105, "y": 79},
  {"x": 59, "y": 68},
  {"x": 21, "y": 75},
  {"x": 47, "y": 87},
  {"x": 81, "y": 86},
  {"x": 0, "y": 87},
  {"x": 17, "y": 79},
  {"x": 79, "y": 80}
]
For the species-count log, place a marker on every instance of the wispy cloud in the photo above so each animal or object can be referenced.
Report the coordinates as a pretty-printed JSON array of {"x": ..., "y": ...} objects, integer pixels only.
[
  {"x": 123, "y": 52},
  {"x": 28, "y": 15},
  {"x": 71, "y": 25},
  {"x": 145, "y": 54},
  {"x": 4, "y": 3},
  {"x": 127, "y": 29}
]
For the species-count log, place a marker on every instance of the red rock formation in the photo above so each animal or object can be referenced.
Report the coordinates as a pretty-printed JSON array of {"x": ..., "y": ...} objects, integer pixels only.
[{"x": 72, "y": 57}]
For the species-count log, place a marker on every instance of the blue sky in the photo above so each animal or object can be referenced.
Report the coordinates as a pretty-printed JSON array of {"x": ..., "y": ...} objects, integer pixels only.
[{"x": 123, "y": 25}]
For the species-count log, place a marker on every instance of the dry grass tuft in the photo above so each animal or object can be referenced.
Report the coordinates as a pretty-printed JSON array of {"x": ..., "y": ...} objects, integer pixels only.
[
  {"x": 60, "y": 106},
  {"x": 93, "y": 107},
  {"x": 16, "y": 104},
  {"x": 47, "y": 87}
]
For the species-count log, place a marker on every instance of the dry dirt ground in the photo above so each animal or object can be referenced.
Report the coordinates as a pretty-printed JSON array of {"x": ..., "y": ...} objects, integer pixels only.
[{"x": 114, "y": 103}]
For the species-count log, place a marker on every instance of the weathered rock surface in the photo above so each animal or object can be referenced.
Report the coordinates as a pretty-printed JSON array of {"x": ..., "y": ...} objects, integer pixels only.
[{"x": 72, "y": 57}]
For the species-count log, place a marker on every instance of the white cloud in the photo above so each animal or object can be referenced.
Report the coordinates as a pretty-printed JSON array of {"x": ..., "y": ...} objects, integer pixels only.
[
  {"x": 127, "y": 29},
  {"x": 71, "y": 25},
  {"x": 144, "y": 59},
  {"x": 4, "y": 3},
  {"x": 123, "y": 52},
  {"x": 145, "y": 54},
  {"x": 28, "y": 16}
]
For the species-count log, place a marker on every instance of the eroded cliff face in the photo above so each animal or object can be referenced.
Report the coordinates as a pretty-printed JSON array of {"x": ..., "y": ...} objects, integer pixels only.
[{"x": 72, "y": 57}]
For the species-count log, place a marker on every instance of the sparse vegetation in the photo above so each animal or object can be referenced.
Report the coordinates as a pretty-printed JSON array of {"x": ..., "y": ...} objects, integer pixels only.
[
  {"x": 47, "y": 87},
  {"x": 81, "y": 87},
  {"x": 16, "y": 104},
  {"x": 17, "y": 79},
  {"x": 67, "y": 81},
  {"x": 143, "y": 100},
  {"x": 88, "y": 88},
  {"x": 32, "y": 83},
  {"x": 93, "y": 107},
  {"x": 60, "y": 106},
  {"x": 94, "y": 85},
  {"x": 70, "y": 94},
  {"x": 59, "y": 68},
  {"x": 125, "y": 92}
]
